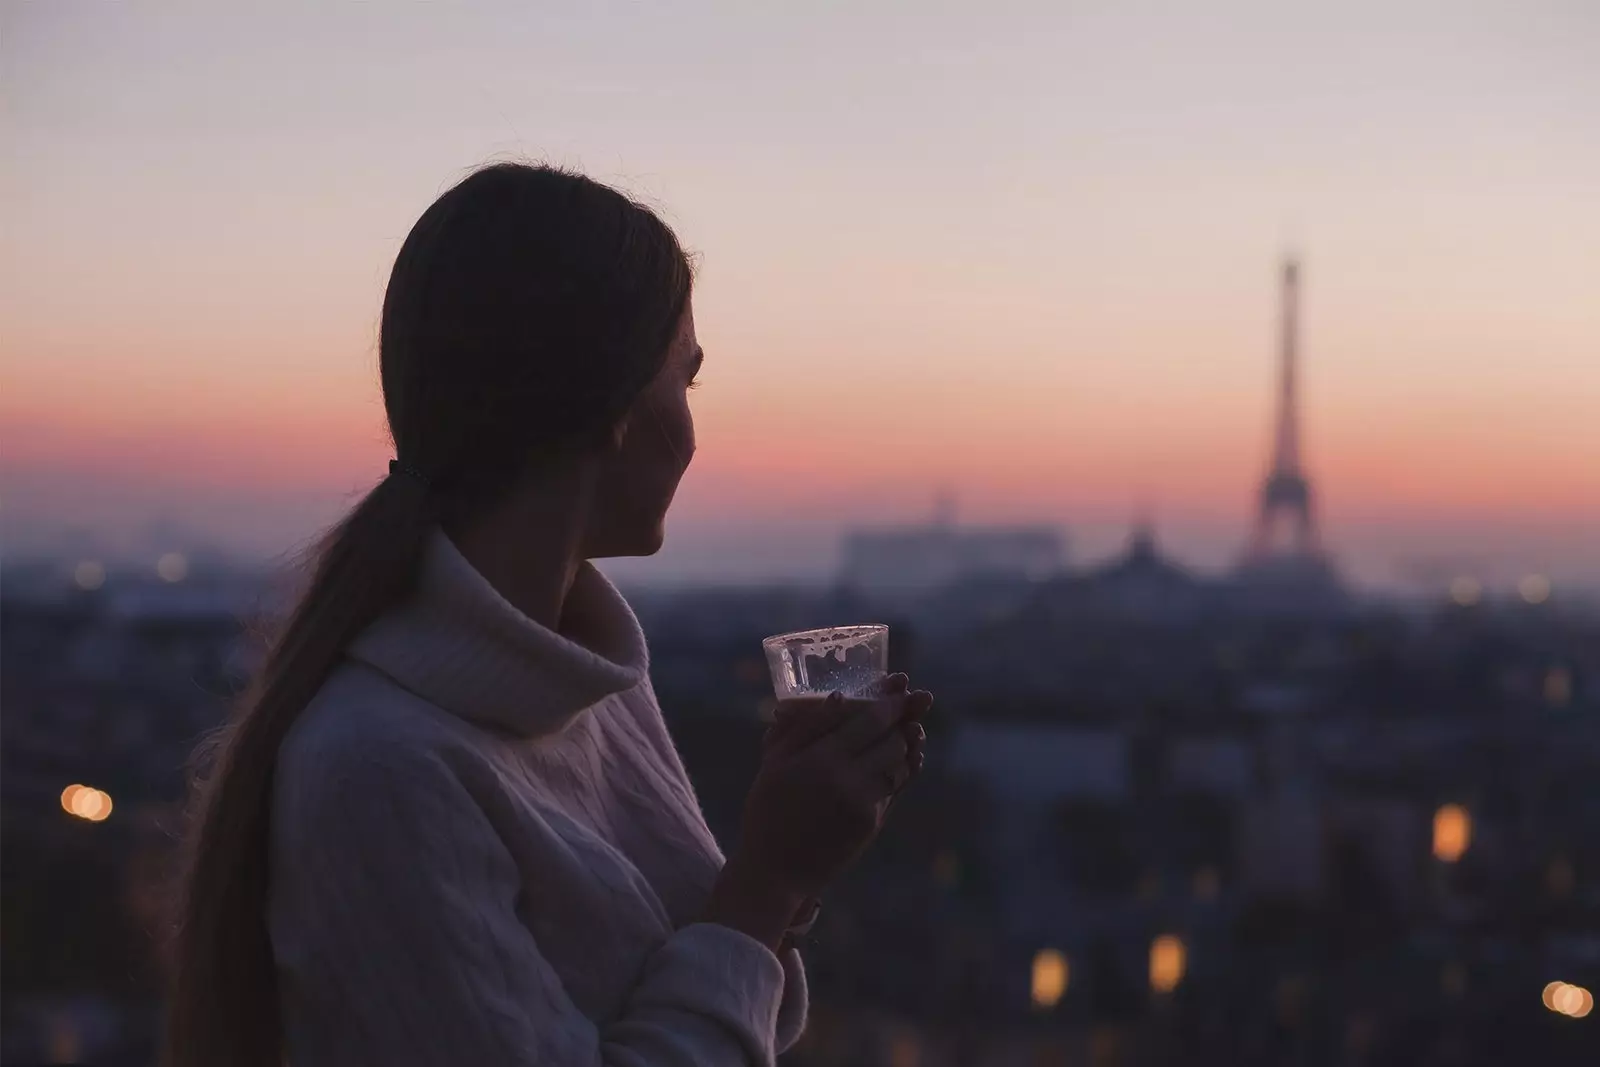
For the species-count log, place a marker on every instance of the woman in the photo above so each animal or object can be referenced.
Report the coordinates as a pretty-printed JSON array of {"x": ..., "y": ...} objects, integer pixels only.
[{"x": 450, "y": 827}]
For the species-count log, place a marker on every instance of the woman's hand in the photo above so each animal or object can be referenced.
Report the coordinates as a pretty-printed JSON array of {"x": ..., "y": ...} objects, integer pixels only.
[{"x": 829, "y": 769}]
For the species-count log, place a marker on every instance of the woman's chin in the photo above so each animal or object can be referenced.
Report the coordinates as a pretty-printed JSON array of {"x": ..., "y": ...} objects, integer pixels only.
[
  {"x": 641, "y": 543},
  {"x": 651, "y": 545}
]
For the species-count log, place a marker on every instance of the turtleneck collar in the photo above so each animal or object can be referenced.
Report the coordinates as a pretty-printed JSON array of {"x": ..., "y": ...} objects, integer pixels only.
[{"x": 459, "y": 644}]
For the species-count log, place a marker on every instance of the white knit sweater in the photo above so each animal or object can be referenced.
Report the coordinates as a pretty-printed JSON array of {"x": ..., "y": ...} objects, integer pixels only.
[{"x": 486, "y": 853}]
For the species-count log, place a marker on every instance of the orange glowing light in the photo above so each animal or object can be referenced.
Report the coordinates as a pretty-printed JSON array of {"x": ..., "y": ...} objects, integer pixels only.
[
  {"x": 1168, "y": 958},
  {"x": 1050, "y": 976},
  {"x": 1567, "y": 999},
  {"x": 1452, "y": 832},
  {"x": 1534, "y": 588},
  {"x": 92, "y": 805}
]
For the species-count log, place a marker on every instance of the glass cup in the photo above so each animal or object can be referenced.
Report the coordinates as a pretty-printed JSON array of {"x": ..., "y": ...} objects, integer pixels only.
[{"x": 853, "y": 660}]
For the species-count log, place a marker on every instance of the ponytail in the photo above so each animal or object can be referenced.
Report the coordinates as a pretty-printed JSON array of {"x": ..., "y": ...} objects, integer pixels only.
[
  {"x": 224, "y": 1006},
  {"x": 527, "y": 309}
]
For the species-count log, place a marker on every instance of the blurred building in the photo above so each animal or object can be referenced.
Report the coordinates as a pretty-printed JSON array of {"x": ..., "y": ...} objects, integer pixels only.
[
  {"x": 916, "y": 559},
  {"x": 1119, "y": 757}
]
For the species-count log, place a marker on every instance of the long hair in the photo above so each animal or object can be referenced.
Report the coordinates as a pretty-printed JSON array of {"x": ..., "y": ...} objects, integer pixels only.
[{"x": 526, "y": 311}]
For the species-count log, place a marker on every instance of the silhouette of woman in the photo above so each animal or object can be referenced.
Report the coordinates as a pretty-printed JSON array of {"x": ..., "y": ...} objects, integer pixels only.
[{"x": 448, "y": 825}]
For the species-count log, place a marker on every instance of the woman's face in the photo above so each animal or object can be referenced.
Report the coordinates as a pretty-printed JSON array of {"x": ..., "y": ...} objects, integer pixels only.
[{"x": 639, "y": 477}]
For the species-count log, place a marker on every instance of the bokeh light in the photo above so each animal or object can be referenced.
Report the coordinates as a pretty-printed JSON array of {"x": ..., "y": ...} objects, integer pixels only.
[
  {"x": 90, "y": 574},
  {"x": 1560, "y": 878},
  {"x": 1534, "y": 588},
  {"x": 1168, "y": 958},
  {"x": 65, "y": 1043},
  {"x": 1466, "y": 590},
  {"x": 905, "y": 1050},
  {"x": 1567, "y": 999},
  {"x": 1452, "y": 832},
  {"x": 1050, "y": 976},
  {"x": 84, "y": 802},
  {"x": 173, "y": 567},
  {"x": 1558, "y": 687}
]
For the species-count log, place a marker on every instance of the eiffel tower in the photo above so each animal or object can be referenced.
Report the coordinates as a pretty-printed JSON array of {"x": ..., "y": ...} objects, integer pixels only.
[
  {"x": 1285, "y": 541},
  {"x": 1284, "y": 522}
]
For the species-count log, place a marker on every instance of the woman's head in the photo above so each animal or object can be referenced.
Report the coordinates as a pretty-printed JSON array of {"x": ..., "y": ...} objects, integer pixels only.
[
  {"x": 536, "y": 327},
  {"x": 536, "y": 319}
]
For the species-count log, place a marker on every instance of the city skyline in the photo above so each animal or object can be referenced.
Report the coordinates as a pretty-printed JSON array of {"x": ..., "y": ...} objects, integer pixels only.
[{"x": 1032, "y": 265}]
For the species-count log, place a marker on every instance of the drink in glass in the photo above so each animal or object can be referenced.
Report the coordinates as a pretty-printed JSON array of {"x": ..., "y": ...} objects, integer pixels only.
[{"x": 852, "y": 660}]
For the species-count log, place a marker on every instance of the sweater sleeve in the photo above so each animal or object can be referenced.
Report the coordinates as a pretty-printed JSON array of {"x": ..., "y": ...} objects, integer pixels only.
[
  {"x": 796, "y": 1002},
  {"x": 793, "y": 1010},
  {"x": 393, "y": 922}
]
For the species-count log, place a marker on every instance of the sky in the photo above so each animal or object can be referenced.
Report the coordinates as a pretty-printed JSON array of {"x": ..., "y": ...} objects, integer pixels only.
[{"x": 1025, "y": 254}]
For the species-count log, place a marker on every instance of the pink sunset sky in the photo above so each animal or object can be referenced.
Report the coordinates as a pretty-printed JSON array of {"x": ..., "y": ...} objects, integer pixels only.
[{"x": 1024, "y": 253}]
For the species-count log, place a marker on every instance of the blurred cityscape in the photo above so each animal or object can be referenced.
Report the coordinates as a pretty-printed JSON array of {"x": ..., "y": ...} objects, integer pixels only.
[{"x": 1167, "y": 817}]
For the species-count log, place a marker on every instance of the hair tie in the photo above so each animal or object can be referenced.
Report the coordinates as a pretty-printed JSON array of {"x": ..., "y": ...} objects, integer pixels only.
[{"x": 408, "y": 471}]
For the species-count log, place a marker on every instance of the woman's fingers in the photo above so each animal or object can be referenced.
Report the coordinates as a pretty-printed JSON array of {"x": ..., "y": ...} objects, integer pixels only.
[
  {"x": 868, "y": 722},
  {"x": 801, "y": 721},
  {"x": 918, "y": 704},
  {"x": 849, "y": 725},
  {"x": 916, "y": 744},
  {"x": 873, "y": 718},
  {"x": 893, "y": 685},
  {"x": 884, "y": 768},
  {"x": 860, "y": 732}
]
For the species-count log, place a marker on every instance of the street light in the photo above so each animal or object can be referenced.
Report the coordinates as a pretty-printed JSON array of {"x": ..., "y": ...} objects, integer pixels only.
[
  {"x": 1050, "y": 976},
  {"x": 1167, "y": 959},
  {"x": 1452, "y": 832}
]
